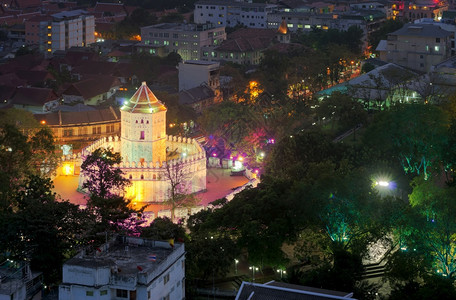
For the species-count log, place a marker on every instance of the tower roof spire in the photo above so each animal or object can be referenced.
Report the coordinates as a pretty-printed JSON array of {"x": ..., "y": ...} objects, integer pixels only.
[{"x": 143, "y": 101}]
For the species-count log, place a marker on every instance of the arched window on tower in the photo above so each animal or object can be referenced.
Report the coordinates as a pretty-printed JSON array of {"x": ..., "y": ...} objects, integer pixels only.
[
  {"x": 142, "y": 121},
  {"x": 136, "y": 121}
]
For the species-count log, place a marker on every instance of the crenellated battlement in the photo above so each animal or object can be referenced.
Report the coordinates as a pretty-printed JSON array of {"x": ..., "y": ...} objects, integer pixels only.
[{"x": 195, "y": 153}]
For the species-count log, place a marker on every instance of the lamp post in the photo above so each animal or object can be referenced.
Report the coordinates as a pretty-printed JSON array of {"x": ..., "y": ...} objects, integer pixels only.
[
  {"x": 253, "y": 268},
  {"x": 281, "y": 272},
  {"x": 235, "y": 266}
]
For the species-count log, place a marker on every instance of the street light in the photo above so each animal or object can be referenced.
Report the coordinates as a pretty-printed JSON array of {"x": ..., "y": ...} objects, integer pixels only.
[
  {"x": 253, "y": 268},
  {"x": 235, "y": 266},
  {"x": 282, "y": 272}
]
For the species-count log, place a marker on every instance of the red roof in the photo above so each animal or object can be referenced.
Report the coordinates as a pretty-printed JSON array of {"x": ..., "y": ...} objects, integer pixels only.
[
  {"x": 33, "y": 96},
  {"x": 11, "y": 79},
  {"x": 248, "y": 39},
  {"x": 113, "y": 8},
  {"x": 92, "y": 86},
  {"x": 95, "y": 67},
  {"x": 143, "y": 101}
]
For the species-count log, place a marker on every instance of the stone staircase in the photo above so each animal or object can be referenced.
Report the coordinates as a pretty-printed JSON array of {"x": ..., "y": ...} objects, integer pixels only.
[{"x": 374, "y": 270}]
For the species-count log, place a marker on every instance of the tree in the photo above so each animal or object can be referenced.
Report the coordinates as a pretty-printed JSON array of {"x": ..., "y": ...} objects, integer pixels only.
[
  {"x": 105, "y": 184},
  {"x": 164, "y": 229},
  {"x": 415, "y": 133},
  {"x": 179, "y": 193},
  {"x": 434, "y": 230},
  {"x": 104, "y": 178},
  {"x": 15, "y": 154},
  {"x": 42, "y": 229}
]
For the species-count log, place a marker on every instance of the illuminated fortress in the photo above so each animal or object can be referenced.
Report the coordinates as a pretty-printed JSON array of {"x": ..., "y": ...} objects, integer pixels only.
[{"x": 149, "y": 156}]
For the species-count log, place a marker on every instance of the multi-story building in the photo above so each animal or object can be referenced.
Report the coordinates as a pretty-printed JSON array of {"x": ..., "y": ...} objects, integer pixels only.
[
  {"x": 126, "y": 268},
  {"x": 193, "y": 73},
  {"x": 244, "y": 46},
  {"x": 184, "y": 39},
  {"x": 60, "y": 31},
  {"x": 18, "y": 282},
  {"x": 416, "y": 46},
  {"x": 367, "y": 20},
  {"x": 419, "y": 9},
  {"x": 231, "y": 13},
  {"x": 199, "y": 84}
]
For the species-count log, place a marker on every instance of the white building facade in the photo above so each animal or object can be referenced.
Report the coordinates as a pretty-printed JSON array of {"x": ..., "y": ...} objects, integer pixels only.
[
  {"x": 127, "y": 268},
  {"x": 184, "y": 39},
  {"x": 232, "y": 13},
  {"x": 195, "y": 73},
  {"x": 61, "y": 31}
]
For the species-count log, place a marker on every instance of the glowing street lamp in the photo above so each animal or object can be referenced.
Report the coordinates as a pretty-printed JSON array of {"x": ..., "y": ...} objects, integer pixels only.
[
  {"x": 253, "y": 268},
  {"x": 382, "y": 183},
  {"x": 281, "y": 272},
  {"x": 235, "y": 266}
]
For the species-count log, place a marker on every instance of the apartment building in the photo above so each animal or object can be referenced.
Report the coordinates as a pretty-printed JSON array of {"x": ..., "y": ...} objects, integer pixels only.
[
  {"x": 418, "y": 9},
  {"x": 232, "y": 13},
  {"x": 184, "y": 39},
  {"x": 367, "y": 20},
  {"x": 60, "y": 31},
  {"x": 194, "y": 73},
  {"x": 126, "y": 268},
  {"x": 416, "y": 46}
]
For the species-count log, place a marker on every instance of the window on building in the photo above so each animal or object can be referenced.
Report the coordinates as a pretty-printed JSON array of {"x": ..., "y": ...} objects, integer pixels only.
[
  {"x": 99, "y": 129},
  {"x": 437, "y": 48},
  {"x": 175, "y": 36},
  {"x": 121, "y": 293},
  {"x": 142, "y": 135},
  {"x": 166, "y": 43},
  {"x": 103, "y": 292},
  {"x": 166, "y": 278},
  {"x": 89, "y": 293}
]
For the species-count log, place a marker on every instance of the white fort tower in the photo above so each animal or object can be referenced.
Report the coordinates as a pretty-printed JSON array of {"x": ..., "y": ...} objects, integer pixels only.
[{"x": 149, "y": 156}]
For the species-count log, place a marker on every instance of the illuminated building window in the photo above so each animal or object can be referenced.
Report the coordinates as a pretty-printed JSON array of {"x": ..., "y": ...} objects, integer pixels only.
[
  {"x": 49, "y": 50},
  {"x": 49, "y": 34},
  {"x": 437, "y": 48}
]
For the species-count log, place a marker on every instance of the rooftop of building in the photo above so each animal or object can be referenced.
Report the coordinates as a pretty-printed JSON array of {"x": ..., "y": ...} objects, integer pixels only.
[
  {"x": 422, "y": 30},
  {"x": 69, "y": 14},
  {"x": 143, "y": 101},
  {"x": 128, "y": 255},
  {"x": 200, "y": 62},
  {"x": 233, "y": 3},
  {"x": 79, "y": 115},
  {"x": 182, "y": 27},
  {"x": 195, "y": 95},
  {"x": 284, "y": 291},
  {"x": 248, "y": 39}
]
